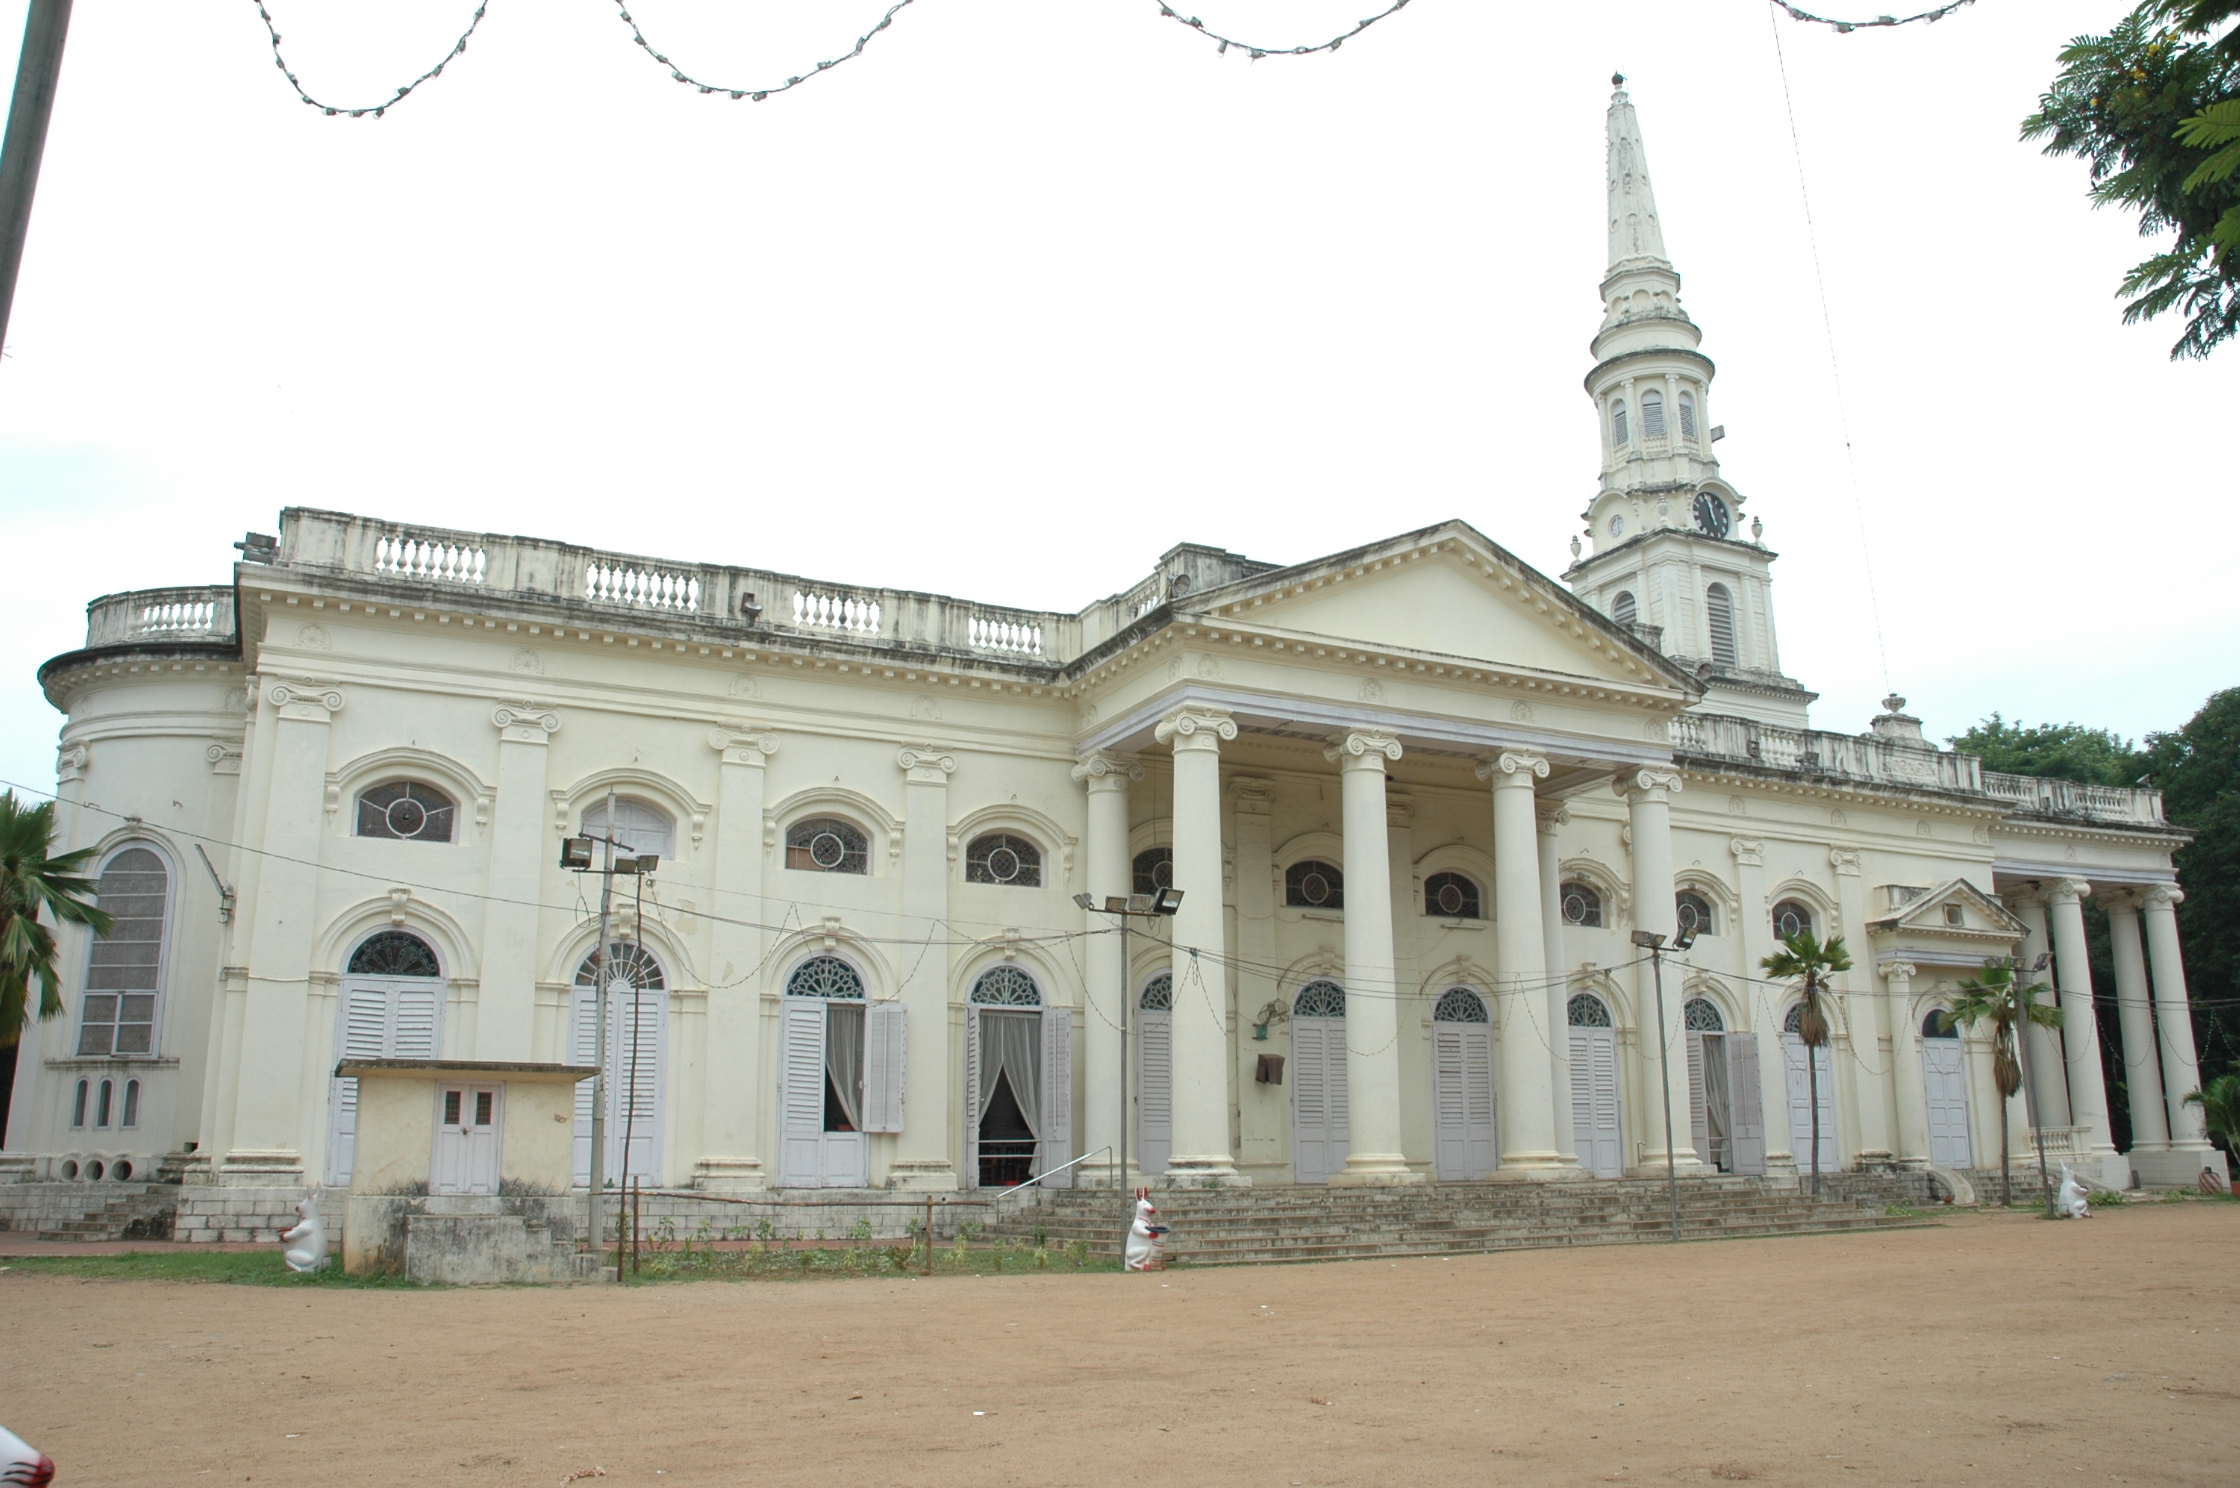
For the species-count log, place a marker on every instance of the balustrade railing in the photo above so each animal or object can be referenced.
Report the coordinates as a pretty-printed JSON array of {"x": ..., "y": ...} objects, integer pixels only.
[
  {"x": 2073, "y": 798},
  {"x": 996, "y": 633},
  {"x": 824, "y": 609},
  {"x": 625, "y": 583},
  {"x": 193, "y": 613},
  {"x": 433, "y": 559}
]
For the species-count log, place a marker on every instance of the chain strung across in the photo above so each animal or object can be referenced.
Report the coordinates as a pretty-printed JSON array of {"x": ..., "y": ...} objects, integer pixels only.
[
  {"x": 1847, "y": 27},
  {"x": 1257, "y": 52},
  {"x": 377, "y": 110}
]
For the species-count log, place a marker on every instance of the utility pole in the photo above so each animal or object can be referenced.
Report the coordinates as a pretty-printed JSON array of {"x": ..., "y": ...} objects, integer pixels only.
[
  {"x": 45, "y": 26},
  {"x": 1652, "y": 941},
  {"x": 1124, "y": 908}
]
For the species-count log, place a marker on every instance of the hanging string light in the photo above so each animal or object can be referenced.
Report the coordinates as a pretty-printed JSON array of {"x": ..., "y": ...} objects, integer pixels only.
[
  {"x": 458, "y": 48},
  {"x": 678, "y": 74},
  {"x": 1847, "y": 27},
  {"x": 1257, "y": 52}
]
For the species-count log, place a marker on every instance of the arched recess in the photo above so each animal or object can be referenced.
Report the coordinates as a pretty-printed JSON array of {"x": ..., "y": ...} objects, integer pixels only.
[
  {"x": 688, "y": 811},
  {"x": 1473, "y": 863},
  {"x": 377, "y": 1016},
  {"x": 837, "y": 1079},
  {"x": 453, "y": 945},
  {"x": 884, "y": 829},
  {"x": 1156, "y": 832},
  {"x": 1592, "y": 1015},
  {"x": 1018, "y": 1069},
  {"x": 1944, "y": 1056},
  {"x": 1708, "y": 987},
  {"x": 1726, "y": 1103},
  {"x": 124, "y": 1000},
  {"x": 1812, "y": 896},
  {"x": 1617, "y": 894},
  {"x": 1703, "y": 881},
  {"x": 1058, "y": 849},
  {"x": 1328, "y": 846},
  {"x": 1465, "y": 1135},
  {"x": 1457, "y": 971},
  {"x": 346, "y": 784}
]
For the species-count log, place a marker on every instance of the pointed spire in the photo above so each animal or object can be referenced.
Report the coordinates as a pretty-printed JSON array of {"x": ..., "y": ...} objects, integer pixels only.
[{"x": 1634, "y": 230}]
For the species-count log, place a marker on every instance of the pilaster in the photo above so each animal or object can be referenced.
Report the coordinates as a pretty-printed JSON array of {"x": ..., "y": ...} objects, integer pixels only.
[
  {"x": 506, "y": 1011},
  {"x": 922, "y": 1157},
  {"x": 1912, "y": 1125},
  {"x": 1648, "y": 793},
  {"x": 730, "y": 1157}
]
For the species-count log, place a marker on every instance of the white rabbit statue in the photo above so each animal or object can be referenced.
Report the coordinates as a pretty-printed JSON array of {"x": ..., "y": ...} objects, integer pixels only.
[
  {"x": 307, "y": 1241},
  {"x": 1146, "y": 1248},
  {"x": 2071, "y": 1202}
]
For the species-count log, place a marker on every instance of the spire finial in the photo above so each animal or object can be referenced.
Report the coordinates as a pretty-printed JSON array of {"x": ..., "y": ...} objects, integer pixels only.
[
  {"x": 1617, "y": 80},
  {"x": 1634, "y": 230}
]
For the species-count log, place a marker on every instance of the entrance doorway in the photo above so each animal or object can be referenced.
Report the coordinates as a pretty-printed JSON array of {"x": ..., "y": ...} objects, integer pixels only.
[
  {"x": 1594, "y": 1087},
  {"x": 468, "y": 1121},
  {"x": 637, "y": 1008},
  {"x": 1018, "y": 1080},
  {"x": 1800, "y": 1097},
  {"x": 1318, "y": 1082},
  {"x": 1155, "y": 1075},
  {"x": 1944, "y": 1079},
  {"x": 1724, "y": 1101},
  {"x": 1465, "y": 1145}
]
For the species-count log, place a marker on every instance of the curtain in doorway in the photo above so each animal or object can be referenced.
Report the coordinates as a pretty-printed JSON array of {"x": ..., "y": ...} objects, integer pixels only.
[
  {"x": 843, "y": 1056},
  {"x": 1012, "y": 1043}
]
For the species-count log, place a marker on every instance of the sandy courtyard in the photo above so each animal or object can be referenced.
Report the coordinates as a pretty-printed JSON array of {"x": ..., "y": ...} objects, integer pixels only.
[{"x": 1998, "y": 1349}]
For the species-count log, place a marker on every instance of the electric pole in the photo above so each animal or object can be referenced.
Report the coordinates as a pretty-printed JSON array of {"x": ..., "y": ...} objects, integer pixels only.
[{"x": 44, "y": 29}]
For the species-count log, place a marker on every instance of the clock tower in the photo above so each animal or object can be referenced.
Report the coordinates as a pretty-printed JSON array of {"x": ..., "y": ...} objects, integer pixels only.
[{"x": 1665, "y": 549}]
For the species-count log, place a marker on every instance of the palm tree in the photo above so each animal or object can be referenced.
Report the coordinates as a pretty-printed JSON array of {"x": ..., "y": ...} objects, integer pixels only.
[
  {"x": 32, "y": 882},
  {"x": 1806, "y": 958},
  {"x": 1996, "y": 995},
  {"x": 2219, "y": 1101}
]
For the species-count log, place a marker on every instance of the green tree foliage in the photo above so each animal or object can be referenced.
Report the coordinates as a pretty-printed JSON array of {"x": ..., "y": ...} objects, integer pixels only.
[
  {"x": 2066, "y": 751},
  {"x": 2219, "y": 1101},
  {"x": 2197, "y": 768},
  {"x": 34, "y": 889},
  {"x": 1998, "y": 996},
  {"x": 2147, "y": 107},
  {"x": 1808, "y": 960}
]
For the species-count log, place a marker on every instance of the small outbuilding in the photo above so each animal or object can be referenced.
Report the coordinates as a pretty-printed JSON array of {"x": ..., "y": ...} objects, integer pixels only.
[{"x": 464, "y": 1171}]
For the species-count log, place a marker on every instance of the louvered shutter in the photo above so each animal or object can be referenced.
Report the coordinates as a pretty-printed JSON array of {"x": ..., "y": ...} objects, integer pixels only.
[
  {"x": 801, "y": 1093},
  {"x": 1748, "y": 1100},
  {"x": 1480, "y": 1109},
  {"x": 1718, "y": 609},
  {"x": 884, "y": 1062},
  {"x": 1450, "y": 1103},
  {"x": 416, "y": 1022},
  {"x": 583, "y": 1049},
  {"x": 1334, "y": 1081},
  {"x": 1800, "y": 1104},
  {"x": 1594, "y": 1101},
  {"x": 1056, "y": 1146},
  {"x": 1699, "y": 1120},
  {"x": 971, "y": 1097},
  {"x": 1582, "y": 1100},
  {"x": 1154, "y": 1092},
  {"x": 1310, "y": 1102},
  {"x": 363, "y": 1035},
  {"x": 636, "y": 1116}
]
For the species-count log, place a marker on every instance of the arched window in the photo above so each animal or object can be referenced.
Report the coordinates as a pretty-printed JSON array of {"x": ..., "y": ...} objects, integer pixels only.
[
  {"x": 631, "y": 968},
  {"x": 1460, "y": 1005},
  {"x": 1321, "y": 998},
  {"x": 827, "y": 977},
  {"x": 1154, "y": 870},
  {"x": 1701, "y": 1015},
  {"x": 1585, "y": 1010},
  {"x": 1687, "y": 417},
  {"x": 78, "y": 1103},
  {"x": 1314, "y": 884},
  {"x": 1718, "y": 612},
  {"x": 1005, "y": 986},
  {"x": 640, "y": 826},
  {"x": 1451, "y": 896},
  {"x": 124, "y": 969},
  {"x": 1794, "y": 1022},
  {"x": 1582, "y": 905},
  {"x": 101, "y": 1107},
  {"x": 393, "y": 953},
  {"x": 408, "y": 810},
  {"x": 1158, "y": 994},
  {"x": 826, "y": 844},
  {"x": 1000, "y": 858},
  {"x": 1652, "y": 415},
  {"x": 1934, "y": 1026},
  {"x": 1618, "y": 422},
  {"x": 1791, "y": 918},
  {"x": 1693, "y": 911},
  {"x": 1622, "y": 609},
  {"x": 131, "y": 1104}
]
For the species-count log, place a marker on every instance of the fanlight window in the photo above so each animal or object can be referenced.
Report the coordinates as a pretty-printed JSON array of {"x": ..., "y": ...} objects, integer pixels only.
[
  {"x": 1158, "y": 994},
  {"x": 640, "y": 826},
  {"x": 1687, "y": 417},
  {"x": 406, "y": 809},
  {"x": 1587, "y": 1011},
  {"x": 826, "y": 844},
  {"x": 825, "y": 976},
  {"x": 394, "y": 953},
  {"x": 1452, "y": 896},
  {"x": 1652, "y": 415},
  {"x": 1314, "y": 884},
  {"x": 124, "y": 969},
  {"x": 1701, "y": 1015},
  {"x": 1006, "y": 986},
  {"x": 1000, "y": 858},
  {"x": 1320, "y": 999},
  {"x": 1618, "y": 422},
  {"x": 1934, "y": 1026},
  {"x": 630, "y": 967},
  {"x": 1794, "y": 1023},
  {"x": 1791, "y": 918},
  {"x": 1623, "y": 609},
  {"x": 1582, "y": 905},
  {"x": 1460, "y": 1005},
  {"x": 1154, "y": 870},
  {"x": 1718, "y": 612},
  {"x": 1693, "y": 912}
]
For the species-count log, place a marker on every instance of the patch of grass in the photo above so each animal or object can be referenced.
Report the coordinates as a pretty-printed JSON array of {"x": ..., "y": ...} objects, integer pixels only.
[
  {"x": 1900, "y": 1211},
  {"x": 240, "y": 1267},
  {"x": 784, "y": 1263}
]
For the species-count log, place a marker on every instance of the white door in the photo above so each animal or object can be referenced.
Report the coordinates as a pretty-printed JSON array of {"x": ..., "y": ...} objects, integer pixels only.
[
  {"x": 816, "y": 1146},
  {"x": 635, "y": 1078},
  {"x": 469, "y": 1119},
  {"x": 1747, "y": 1100},
  {"x": 380, "y": 1018},
  {"x": 1154, "y": 1092},
  {"x": 1318, "y": 1098},
  {"x": 1944, "y": 1079},
  {"x": 1055, "y": 1150},
  {"x": 1594, "y": 1102},
  {"x": 1800, "y": 1104},
  {"x": 1463, "y": 1142}
]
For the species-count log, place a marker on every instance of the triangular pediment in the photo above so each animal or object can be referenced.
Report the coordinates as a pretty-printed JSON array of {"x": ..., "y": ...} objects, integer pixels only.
[
  {"x": 1954, "y": 907},
  {"x": 1444, "y": 591}
]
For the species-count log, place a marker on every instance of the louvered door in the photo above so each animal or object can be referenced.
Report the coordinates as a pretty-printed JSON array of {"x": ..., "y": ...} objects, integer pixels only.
[
  {"x": 1594, "y": 1102},
  {"x": 801, "y": 1031},
  {"x": 1800, "y": 1104},
  {"x": 885, "y": 1061},
  {"x": 1748, "y": 1099},
  {"x": 1464, "y": 1147},
  {"x": 1944, "y": 1081},
  {"x": 635, "y": 1078},
  {"x": 377, "y": 1018},
  {"x": 1154, "y": 1091},
  {"x": 1055, "y": 1149},
  {"x": 1318, "y": 1098}
]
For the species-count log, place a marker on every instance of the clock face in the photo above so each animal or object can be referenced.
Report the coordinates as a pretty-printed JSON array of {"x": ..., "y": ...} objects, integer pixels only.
[
  {"x": 1617, "y": 526},
  {"x": 1711, "y": 515}
]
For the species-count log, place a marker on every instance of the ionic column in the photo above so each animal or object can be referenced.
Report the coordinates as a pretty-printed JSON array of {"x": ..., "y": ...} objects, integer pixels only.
[
  {"x": 2080, "y": 1028},
  {"x": 2142, "y": 1071},
  {"x": 505, "y": 1014},
  {"x": 1106, "y": 873},
  {"x": 2181, "y": 1070},
  {"x": 730, "y": 1129},
  {"x": 922, "y": 1152},
  {"x": 1648, "y": 792},
  {"x": 1905, "y": 1063},
  {"x": 1201, "y": 1155},
  {"x": 1553, "y": 816},
  {"x": 1373, "y": 1147},
  {"x": 1862, "y": 1079},
  {"x": 1263, "y": 1111},
  {"x": 1525, "y": 1038},
  {"x": 2048, "y": 1086}
]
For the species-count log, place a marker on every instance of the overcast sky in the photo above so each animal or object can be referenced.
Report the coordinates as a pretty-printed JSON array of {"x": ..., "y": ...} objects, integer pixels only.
[{"x": 1034, "y": 290}]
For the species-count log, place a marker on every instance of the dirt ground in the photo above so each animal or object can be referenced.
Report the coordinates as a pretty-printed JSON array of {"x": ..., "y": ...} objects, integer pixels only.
[{"x": 1996, "y": 1349}]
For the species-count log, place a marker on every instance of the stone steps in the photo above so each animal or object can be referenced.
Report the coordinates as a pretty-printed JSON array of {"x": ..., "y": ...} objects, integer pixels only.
[{"x": 127, "y": 1211}]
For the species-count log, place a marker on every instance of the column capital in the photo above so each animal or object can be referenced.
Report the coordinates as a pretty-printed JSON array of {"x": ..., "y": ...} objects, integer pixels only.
[
  {"x": 1554, "y": 815},
  {"x": 1845, "y": 861},
  {"x": 1898, "y": 971},
  {"x": 312, "y": 702},
  {"x": 2068, "y": 891},
  {"x": 2119, "y": 901},
  {"x": 1649, "y": 782},
  {"x": 1513, "y": 767},
  {"x": 524, "y": 723},
  {"x": 743, "y": 746},
  {"x": 1362, "y": 749},
  {"x": 2161, "y": 898},
  {"x": 1195, "y": 728},
  {"x": 926, "y": 764},
  {"x": 1748, "y": 851},
  {"x": 70, "y": 763},
  {"x": 1254, "y": 796},
  {"x": 1102, "y": 770},
  {"x": 2022, "y": 899}
]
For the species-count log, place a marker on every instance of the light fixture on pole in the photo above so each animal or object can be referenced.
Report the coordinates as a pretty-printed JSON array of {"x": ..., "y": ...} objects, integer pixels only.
[
  {"x": 1162, "y": 903},
  {"x": 1653, "y": 942},
  {"x": 575, "y": 857}
]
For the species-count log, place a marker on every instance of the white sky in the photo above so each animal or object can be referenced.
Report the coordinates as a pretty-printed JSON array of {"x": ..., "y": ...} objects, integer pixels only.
[{"x": 1033, "y": 290}]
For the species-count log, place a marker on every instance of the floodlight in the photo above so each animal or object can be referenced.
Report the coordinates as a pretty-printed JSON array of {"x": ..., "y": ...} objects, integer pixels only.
[
  {"x": 1167, "y": 902},
  {"x": 1648, "y": 940},
  {"x": 575, "y": 853},
  {"x": 1085, "y": 901},
  {"x": 1116, "y": 904},
  {"x": 1686, "y": 937},
  {"x": 1139, "y": 904},
  {"x": 649, "y": 862}
]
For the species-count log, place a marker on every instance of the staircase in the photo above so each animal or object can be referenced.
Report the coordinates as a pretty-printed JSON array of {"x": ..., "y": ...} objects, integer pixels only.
[
  {"x": 1261, "y": 1226},
  {"x": 104, "y": 1211}
]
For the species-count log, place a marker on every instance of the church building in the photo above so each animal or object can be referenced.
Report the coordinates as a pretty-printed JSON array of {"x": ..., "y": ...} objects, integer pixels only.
[{"x": 1416, "y": 799}]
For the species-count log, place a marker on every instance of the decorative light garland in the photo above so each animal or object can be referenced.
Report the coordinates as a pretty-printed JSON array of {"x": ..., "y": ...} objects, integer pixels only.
[{"x": 1847, "y": 27}]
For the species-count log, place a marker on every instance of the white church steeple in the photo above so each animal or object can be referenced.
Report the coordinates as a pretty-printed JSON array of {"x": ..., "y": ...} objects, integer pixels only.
[{"x": 1665, "y": 543}]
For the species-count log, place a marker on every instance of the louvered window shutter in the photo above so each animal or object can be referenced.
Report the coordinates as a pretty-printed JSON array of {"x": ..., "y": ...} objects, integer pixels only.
[
  {"x": 638, "y": 1072},
  {"x": 971, "y": 1097},
  {"x": 801, "y": 1092},
  {"x": 884, "y": 1061},
  {"x": 1749, "y": 1103},
  {"x": 1699, "y": 1122},
  {"x": 1480, "y": 1108},
  {"x": 583, "y": 1049},
  {"x": 364, "y": 1035},
  {"x": 1450, "y": 1119},
  {"x": 1623, "y": 609},
  {"x": 1652, "y": 415},
  {"x": 416, "y": 1027},
  {"x": 1718, "y": 609},
  {"x": 1687, "y": 417},
  {"x": 1057, "y": 1096},
  {"x": 1154, "y": 1092},
  {"x": 1582, "y": 1099}
]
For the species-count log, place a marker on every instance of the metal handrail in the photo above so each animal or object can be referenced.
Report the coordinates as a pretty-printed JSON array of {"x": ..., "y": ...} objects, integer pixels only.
[{"x": 1005, "y": 1193}]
